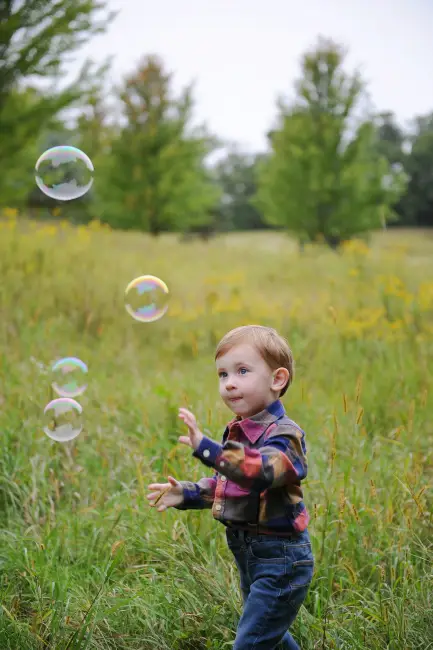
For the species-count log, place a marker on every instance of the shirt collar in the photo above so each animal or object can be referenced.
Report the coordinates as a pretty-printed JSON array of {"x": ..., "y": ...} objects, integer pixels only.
[{"x": 254, "y": 426}]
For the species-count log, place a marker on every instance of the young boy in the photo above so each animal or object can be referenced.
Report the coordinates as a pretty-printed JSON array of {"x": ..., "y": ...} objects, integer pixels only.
[{"x": 256, "y": 488}]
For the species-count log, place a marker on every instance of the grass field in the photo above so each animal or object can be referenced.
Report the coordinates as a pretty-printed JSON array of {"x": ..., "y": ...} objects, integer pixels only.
[{"x": 85, "y": 562}]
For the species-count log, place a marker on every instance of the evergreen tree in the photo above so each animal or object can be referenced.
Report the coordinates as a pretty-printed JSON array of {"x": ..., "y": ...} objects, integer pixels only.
[
  {"x": 324, "y": 177},
  {"x": 155, "y": 179}
]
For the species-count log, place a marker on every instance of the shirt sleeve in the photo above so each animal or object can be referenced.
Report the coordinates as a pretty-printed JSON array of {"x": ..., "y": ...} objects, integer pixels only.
[
  {"x": 200, "y": 495},
  {"x": 280, "y": 461}
]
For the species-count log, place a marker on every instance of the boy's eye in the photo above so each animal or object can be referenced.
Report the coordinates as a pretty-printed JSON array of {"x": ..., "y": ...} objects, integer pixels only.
[{"x": 241, "y": 370}]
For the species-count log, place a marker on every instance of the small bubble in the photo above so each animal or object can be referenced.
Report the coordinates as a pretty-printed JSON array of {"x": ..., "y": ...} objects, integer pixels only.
[
  {"x": 146, "y": 298},
  {"x": 63, "y": 419},
  {"x": 69, "y": 377}
]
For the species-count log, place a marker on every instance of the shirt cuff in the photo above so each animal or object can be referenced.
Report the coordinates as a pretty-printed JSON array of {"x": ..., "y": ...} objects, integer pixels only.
[{"x": 208, "y": 451}]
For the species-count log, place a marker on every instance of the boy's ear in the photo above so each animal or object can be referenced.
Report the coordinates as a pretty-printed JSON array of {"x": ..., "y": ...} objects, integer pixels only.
[{"x": 281, "y": 377}]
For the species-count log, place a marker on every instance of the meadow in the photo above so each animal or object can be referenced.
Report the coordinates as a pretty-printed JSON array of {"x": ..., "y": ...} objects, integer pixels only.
[{"x": 84, "y": 561}]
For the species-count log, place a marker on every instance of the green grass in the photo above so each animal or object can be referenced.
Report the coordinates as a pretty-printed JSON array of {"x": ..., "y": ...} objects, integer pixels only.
[{"x": 85, "y": 562}]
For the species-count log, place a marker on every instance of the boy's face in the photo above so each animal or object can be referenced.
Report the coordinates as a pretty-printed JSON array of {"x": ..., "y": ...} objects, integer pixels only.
[{"x": 246, "y": 382}]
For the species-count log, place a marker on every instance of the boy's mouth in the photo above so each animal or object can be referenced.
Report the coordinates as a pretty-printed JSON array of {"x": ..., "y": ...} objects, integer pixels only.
[{"x": 234, "y": 399}]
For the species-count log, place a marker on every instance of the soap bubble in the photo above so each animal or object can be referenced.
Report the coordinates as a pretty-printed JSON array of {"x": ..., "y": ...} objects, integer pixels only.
[
  {"x": 62, "y": 419},
  {"x": 64, "y": 173},
  {"x": 146, "y": 298},
  {"x": 69, "y": 377}
]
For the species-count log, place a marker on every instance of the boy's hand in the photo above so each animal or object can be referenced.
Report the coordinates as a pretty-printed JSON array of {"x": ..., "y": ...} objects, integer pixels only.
[
  {"x": 195, "y": 435},
  {"x": 167, "y": 495}
]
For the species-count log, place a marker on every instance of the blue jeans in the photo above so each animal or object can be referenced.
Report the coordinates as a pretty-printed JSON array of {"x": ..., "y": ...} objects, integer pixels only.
[{"x": 275, "y": 575}]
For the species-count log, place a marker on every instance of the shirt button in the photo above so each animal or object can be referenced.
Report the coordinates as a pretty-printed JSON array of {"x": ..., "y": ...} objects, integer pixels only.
[
  {"x": 224, "y": 478},
  {"x": 206, "y": 453},
  {"x": 218, "y": 507}
]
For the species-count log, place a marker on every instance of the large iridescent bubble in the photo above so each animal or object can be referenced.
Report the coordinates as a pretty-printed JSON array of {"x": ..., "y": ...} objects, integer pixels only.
[{"x": 64, "y": 173}]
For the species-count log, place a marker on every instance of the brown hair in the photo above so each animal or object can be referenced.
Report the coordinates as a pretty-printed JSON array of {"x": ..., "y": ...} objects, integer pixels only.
[{"x": 272, "y": 346}]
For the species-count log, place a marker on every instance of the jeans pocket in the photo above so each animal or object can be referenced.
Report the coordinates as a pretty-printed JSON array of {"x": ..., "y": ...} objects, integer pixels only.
[
  {"x": 271, "y": 551},
  {"x": 302, "y": 572}
]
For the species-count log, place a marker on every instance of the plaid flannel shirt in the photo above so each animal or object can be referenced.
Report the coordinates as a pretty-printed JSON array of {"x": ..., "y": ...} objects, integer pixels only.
[{"x": 258, "y": 472}]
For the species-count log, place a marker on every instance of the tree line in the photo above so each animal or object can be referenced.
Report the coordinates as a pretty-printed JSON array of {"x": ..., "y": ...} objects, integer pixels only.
[{"x": 333, "y": 169}]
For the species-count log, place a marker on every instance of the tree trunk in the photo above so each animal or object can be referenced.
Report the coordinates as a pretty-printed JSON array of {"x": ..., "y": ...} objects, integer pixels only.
[{"x": 333, "y": 241}]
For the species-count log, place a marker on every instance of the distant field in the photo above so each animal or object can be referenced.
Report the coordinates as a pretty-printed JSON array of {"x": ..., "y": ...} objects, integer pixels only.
[{"x": 77, "y": 535}]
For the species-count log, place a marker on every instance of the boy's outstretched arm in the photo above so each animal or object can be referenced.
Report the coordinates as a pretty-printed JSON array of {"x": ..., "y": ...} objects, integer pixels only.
[{"x": 200, "y": 495}]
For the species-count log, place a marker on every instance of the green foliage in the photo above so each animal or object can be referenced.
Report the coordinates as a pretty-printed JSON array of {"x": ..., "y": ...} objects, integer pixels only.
[
  {"x": 390, "y": 138},
  {"x": 236, "y": 174},
  {"x": 35, "y": 36},
  {"x": 414, "y": 152},
  {"x": 18, "y": 152},
  {"x": 324, "y": 178},
  {"x": 154, "y": 178},
  {"x": 91, "y": 133},
  {"x": 333, "y": 170},
  {"x": 418, "y": 202}
]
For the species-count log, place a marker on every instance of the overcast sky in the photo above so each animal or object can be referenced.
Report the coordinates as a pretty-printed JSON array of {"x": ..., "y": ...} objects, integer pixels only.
[{"x": 242, "y": 54}]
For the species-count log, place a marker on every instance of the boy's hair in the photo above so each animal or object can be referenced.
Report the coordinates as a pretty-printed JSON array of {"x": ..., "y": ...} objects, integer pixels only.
[{"x": 273, "y": 348}]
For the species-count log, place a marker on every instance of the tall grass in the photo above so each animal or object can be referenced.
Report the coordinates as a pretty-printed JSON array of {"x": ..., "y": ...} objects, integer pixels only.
[{"x": 85, "y": 562}]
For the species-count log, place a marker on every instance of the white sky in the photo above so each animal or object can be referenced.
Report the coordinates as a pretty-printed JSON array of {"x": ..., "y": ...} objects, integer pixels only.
[{"x": 242, "y": 54}]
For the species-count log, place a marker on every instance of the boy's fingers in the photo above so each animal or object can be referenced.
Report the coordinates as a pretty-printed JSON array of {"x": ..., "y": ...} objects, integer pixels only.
[{"x": 161, "y": 495}]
